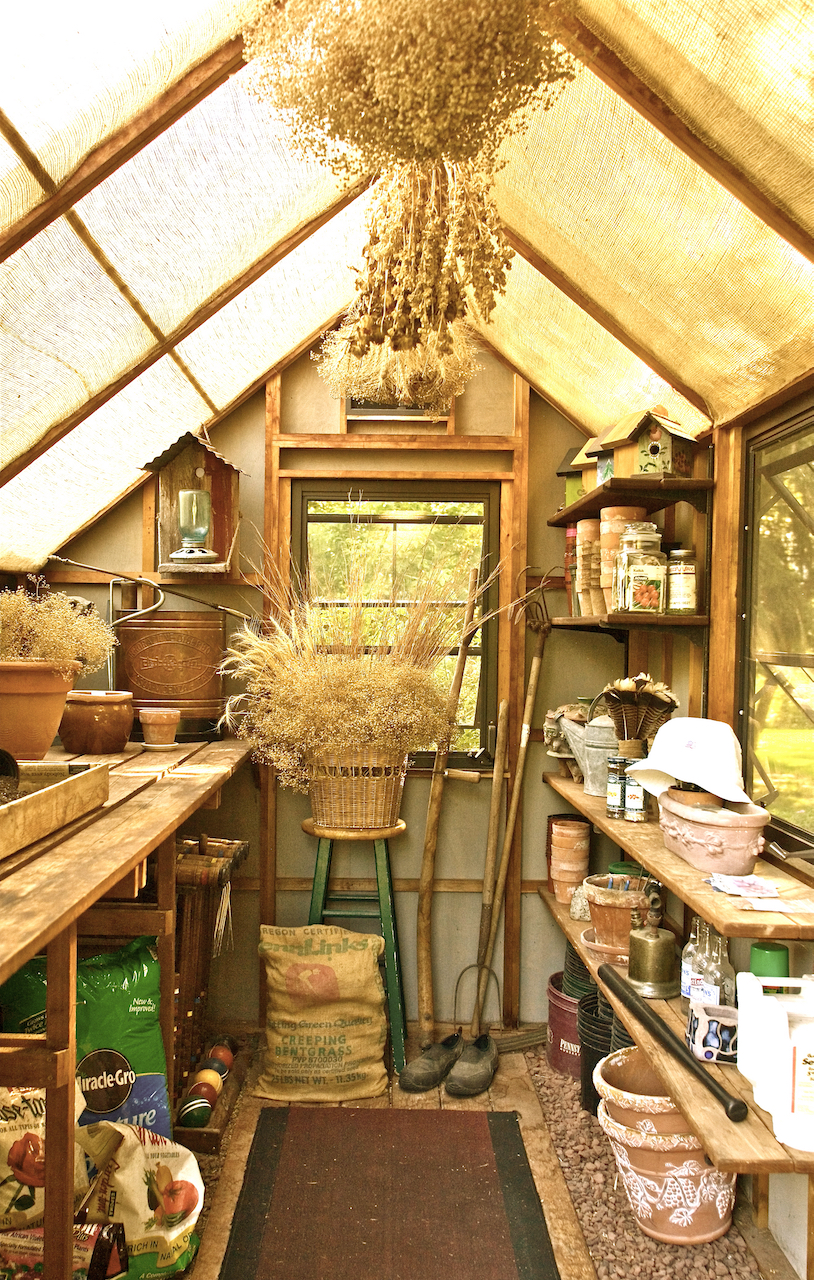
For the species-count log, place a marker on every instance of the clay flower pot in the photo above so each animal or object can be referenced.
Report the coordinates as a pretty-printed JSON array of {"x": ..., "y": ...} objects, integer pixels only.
[
  {"x": 32, "y": 699},
  {"x": 159, "y": 725},
  {"x": 728, "y": 840},
  {"x": 611, "y": 905},
  {"x": 97, "y": 722},
  {"x": 675, "y": 1195}
]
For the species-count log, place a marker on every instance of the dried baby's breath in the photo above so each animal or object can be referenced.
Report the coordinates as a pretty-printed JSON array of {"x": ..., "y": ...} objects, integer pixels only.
[
  {"x": 52, "y": 627},
  {"x": 327, "y": 676},
  {"x": 370, "y": 84}
]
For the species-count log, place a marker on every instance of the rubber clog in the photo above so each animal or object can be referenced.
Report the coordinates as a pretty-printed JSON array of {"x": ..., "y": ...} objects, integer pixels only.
[
  {"x": 475, "y": 1069},
  {"x": 433, "y": 1066}
]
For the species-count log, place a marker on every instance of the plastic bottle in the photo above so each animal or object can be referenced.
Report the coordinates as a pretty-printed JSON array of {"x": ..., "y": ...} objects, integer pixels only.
[{"x": 687, "y": 959}]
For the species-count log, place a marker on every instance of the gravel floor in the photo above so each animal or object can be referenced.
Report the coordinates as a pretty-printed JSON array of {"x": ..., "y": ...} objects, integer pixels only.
[{"x": 617, "y": 1246}]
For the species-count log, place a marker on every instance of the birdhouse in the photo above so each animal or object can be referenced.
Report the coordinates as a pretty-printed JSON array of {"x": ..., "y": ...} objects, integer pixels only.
[
  {"x": 660, "y": 446},
  {"x": 574, "y": 487},
  {"x": 198, "y": 508}
]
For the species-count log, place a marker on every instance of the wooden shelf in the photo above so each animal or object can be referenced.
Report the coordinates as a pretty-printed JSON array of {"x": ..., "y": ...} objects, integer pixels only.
[
  {"x": 618, "y": 624},
  {"x": 643, "y": 841},
  {"x": 747, "y": 1147},
  {"x": 654, "y": 493}
]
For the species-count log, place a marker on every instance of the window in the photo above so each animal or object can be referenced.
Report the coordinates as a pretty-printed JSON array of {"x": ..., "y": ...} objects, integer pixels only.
[
  {"x": 779, "y": 626},
  {"x": 408, "y": 526}
]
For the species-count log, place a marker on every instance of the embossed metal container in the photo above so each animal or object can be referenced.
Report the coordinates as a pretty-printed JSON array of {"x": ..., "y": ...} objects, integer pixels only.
[{"x": 172, "y": 659}]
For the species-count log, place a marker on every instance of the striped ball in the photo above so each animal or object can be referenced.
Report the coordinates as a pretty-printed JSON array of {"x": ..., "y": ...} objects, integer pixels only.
[
  {"x": 194, "y": 1113},
  {"x": 214, "y": 1064},
  {"x": 203, "y": 1089}
]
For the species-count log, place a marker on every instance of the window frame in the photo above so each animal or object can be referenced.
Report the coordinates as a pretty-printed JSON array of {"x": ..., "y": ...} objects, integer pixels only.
[
  {"x": 791, "y": 838},
  {"x": 304, "y": 490}
]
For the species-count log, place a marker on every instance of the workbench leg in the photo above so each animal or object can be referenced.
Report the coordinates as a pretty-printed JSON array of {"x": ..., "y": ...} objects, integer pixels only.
[
  {"x": 165, "y": 858},
  {"x": 59, "y": 1105},
  {"x": 760, "y": 1200},
  {"x": 809, "y": 1233}
]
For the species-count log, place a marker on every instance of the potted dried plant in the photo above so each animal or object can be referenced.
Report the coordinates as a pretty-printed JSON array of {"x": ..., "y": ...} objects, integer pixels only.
[
  {"x": 46, "y": 640},
  {"x": 338, "y": 694}
]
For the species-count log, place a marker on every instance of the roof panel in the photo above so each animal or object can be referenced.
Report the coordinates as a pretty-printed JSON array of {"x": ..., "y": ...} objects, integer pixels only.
[
  {"x": 671, "y": 257},
  {"x": 103, "y": 456},
  {"x": 572, "y": 360},
  {"x": 236, "y": 190},
  {"x": 738, "y": 72},
  {"x": 86, "y": 69}
]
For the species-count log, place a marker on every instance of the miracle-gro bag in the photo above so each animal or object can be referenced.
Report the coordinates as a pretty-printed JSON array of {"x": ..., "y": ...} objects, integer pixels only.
[
  {"x": 325, "y": 1026},
  {"x": 120, "y": 1062}
]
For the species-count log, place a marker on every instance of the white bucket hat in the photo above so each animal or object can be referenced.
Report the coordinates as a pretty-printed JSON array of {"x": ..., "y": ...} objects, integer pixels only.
[{"x": 705, "y": 752}]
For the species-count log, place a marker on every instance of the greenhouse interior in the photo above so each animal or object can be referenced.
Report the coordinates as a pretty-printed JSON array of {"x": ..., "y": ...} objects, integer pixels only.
[{"x": 407, "y": 431}]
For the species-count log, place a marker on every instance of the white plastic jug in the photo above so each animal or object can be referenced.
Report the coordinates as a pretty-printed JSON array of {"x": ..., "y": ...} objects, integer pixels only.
[{"x": 776, "y": 1052}]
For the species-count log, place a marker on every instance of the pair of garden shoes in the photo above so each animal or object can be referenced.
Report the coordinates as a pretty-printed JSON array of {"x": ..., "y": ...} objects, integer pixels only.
[{"x": 468, "y": 1069}]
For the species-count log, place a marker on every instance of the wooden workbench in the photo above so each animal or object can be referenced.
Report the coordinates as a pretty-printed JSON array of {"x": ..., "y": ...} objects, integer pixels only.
[{"x": 51, "y": 891}]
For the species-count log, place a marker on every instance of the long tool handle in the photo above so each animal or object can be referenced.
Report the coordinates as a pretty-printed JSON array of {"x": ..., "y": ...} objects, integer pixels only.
[
  {"x": 511, "y": 819},
  {"x": 426, "y": 1006},
  {"x": 501, "y": 746},
  {"x": 735, "y": 1108}
]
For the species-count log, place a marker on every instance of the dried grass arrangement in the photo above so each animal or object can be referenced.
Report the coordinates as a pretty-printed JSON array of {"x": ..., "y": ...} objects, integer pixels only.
[
  {"x": 51, "y": 627},
  {"x": 324, "y": 678}
]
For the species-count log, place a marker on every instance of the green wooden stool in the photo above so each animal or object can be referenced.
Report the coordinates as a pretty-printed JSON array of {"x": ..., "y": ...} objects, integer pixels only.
[{"x": 362, "y": 904}]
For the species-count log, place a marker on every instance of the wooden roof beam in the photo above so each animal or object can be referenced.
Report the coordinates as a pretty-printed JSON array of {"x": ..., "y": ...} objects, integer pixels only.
[
  {"x": 604, "y": 318},
  {"x": 116, "y": 150},
  {"x": 608, "y": 67}
]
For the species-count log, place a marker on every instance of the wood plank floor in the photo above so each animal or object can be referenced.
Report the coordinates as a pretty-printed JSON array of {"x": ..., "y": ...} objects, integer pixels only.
[{"x": 512, "y": 1090}]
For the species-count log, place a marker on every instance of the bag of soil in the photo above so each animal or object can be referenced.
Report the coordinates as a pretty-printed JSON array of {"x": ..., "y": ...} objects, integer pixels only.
[{"x": 121, "y": 1067}]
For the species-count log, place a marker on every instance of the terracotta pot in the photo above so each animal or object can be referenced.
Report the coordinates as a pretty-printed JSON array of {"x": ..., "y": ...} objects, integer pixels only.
[
  {"x": 96, "y": 723},
  {"x": 634, "y": 1095},
  {"x": 674, "y": 1194},
  {"x": 611, "y": 905},
  {"x": 727, "y": 840},
  {"x": 563, "y": 890},
  {"x": 159, "y": 725},
  {"x": 32, "y": 699}
]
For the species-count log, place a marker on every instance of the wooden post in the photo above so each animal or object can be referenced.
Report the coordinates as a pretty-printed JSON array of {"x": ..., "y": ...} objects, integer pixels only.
[
  {"x": 165, "y": 945},
  {"x": 60, "y": 1003},
  {"x": 723, "y": 585}
]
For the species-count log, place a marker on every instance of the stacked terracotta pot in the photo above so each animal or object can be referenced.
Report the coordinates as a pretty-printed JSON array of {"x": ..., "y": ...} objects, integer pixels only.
[
  {"x": 589, "y": 590},
  {"x": 612, "y": 521},
  {"x": 570, "y": 846}
]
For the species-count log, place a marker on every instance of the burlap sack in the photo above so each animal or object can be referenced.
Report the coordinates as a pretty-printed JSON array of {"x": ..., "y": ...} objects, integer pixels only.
[{"x": 326, "y": 1025}]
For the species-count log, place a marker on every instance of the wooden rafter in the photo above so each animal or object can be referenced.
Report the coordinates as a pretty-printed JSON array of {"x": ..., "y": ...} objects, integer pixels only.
[
  {"x": 608, "y": 67},
  {"x": 214, "y": 304},
  {"x": 603, "y": 317},
  {"x": 120, "y": 147}
]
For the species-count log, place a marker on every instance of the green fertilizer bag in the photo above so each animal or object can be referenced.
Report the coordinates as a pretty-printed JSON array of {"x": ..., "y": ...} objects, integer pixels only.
[{"x": 120, "y": 1063}]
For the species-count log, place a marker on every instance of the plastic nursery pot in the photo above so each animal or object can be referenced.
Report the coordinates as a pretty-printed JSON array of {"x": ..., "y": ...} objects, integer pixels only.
[
  {"x": 159, "y": 725},
  {"x": 96, "y": 722}
]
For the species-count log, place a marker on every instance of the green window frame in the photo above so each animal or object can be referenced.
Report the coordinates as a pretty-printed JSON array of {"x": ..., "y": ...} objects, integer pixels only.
[{"x": 309, "y": 501}]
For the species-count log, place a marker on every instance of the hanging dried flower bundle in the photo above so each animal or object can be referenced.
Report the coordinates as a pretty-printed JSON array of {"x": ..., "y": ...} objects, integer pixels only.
[
  {"x": 435, "y": 248},
  {"x": 387, "y": 81},
  {"x": 638, "y": 705},
  {"x": 424, "y": 92}
]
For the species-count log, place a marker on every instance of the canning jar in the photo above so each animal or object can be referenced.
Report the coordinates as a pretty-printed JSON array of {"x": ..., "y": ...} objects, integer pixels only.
[
  {"x": 640, "y": 571},
  {"x": 682, "y": 582}
]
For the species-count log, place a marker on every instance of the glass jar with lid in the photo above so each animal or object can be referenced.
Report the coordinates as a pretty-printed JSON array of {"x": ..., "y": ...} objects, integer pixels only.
[
  {"x": 640, "y": 571},
  {"x": 682, "y": 582}
]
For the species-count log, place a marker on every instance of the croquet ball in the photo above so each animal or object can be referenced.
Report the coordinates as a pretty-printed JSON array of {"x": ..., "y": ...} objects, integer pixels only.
[
  {"x": 223, "y": 1053},
  {"x": 230, "y": 1043},
  {"x": 194, "y": 1113},
  {"x": 214, "y": 1064},
  {"x": 203, "y": 1089},
  {"x": 209, "y": 1077}
]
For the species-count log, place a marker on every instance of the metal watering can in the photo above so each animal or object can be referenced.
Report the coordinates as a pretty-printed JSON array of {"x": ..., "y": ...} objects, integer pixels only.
[{"x": 591, "y": 744}]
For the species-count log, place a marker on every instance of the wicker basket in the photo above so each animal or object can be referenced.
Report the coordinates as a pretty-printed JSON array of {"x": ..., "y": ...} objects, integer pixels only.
[{"x": 358, "y": 791}]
